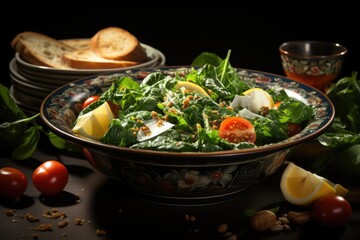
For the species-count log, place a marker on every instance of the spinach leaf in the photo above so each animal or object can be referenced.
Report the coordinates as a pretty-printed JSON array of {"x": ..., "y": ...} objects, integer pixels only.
[
  {"x": 28, "y": 144},
  {"x": 292, "y": 111},
  {"x": 345, "y": 95},
  {"x": 9, "y": 110},
  {"x": 121, "y": 133},
  {"x": 345, "y": 129},
  {"x": 206, "y": 58},
  {"x": 269, "y": 131},
  {"x": 20, "y": 134}
]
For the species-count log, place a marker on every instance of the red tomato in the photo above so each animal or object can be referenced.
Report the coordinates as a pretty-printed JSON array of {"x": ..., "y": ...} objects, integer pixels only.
[
  {"x": 13, "y": 182},
  {"x": 90, "y": 100},
  {"x": 332, "y": 211},
  {"x": 50, "y": 178},
  {"x": 237, "y": 129},
  {"x": 293, "y": 129}
]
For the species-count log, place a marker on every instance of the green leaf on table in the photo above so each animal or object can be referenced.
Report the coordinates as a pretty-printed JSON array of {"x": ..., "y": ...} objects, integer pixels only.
[
  {"x": 11, "y": 133},
  {"x": 28, "y": 144},
  {"x": 9, "y": 110},
  {"x": 345, "y": 95}
]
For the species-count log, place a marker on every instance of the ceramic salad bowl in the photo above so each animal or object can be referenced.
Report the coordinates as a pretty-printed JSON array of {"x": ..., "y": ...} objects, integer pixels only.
[{"x": 176, "y": 176}]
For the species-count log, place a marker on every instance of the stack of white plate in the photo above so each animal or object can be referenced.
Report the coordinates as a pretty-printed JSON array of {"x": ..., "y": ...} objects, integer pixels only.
[{"x": 32, "y": 83}]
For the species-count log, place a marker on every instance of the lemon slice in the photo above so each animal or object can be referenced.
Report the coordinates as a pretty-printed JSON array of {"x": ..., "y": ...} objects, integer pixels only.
[
  {"x": 303, "y": 188},
  {"x": 339, "y": 189},
  {"x": 256, "y": 98},
  {"x": 94, "y": 124},
  {"x": 191, "y": 87}
]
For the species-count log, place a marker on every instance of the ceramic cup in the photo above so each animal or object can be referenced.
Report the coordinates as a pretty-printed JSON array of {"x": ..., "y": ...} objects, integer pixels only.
[{"x": 314, "y": 63}]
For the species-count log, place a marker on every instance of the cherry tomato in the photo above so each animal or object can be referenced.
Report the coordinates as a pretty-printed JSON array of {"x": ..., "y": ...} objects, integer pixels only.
[
  {"x": 90, "y": 100},
  {"x": 237, "y": 129},
  {"x": 50, "y": 178},
  {"x": 332, "y": 211},
  {"x": 13, "y": 182},
  {"x": 293, "y": 129}
]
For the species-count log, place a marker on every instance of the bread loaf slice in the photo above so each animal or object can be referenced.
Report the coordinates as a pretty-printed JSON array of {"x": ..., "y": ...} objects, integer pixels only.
[
  {"x": 117, "y": 44},
  {"x": 77, "y": 43},
  {"x": 88, "y": 59},
  {"x": 40, "y": 49}
]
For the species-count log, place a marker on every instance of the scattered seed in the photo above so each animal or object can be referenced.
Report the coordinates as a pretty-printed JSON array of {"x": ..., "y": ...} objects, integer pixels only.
[
  {"x": 276, "y": 228},
  {"x": 63, "y": 224},
  {"x": 100, "y": 232},
  {"x": 54, "y": 214},
  {"x": 43, "y": 227},
  {"x": 283, "y": 220},
  {"x": 31, "y": 218},
  {"x": 10, "y": 212},
  {"x": 79, "y": 221}
]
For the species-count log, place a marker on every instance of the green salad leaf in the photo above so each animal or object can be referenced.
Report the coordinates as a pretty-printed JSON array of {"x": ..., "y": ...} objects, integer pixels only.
[
  {"x": 343, "y": 137},
  {"x": 195, "y": 117},
  {"x": 20, "y": 134}
]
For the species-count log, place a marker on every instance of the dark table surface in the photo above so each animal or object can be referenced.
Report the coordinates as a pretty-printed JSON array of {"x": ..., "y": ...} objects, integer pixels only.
[{"x": 103, "y": 204}]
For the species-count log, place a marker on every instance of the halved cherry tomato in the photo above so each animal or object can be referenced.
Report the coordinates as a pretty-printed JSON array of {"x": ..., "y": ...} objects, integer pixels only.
[
  {"x": 90, "y": 100},
  {"x": 332, "y": 211},
  {"x": 50, "y": 178},
  {"x": 13, "y": 182},
  {"x": 237, "y": 129}
]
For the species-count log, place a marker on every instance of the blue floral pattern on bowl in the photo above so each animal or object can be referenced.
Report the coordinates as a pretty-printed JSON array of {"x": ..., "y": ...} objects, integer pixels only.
[{"x": 312, "y": 67}]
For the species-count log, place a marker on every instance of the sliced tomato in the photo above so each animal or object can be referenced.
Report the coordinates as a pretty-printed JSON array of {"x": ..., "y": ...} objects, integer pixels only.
[{"x": 237, "y": 129}]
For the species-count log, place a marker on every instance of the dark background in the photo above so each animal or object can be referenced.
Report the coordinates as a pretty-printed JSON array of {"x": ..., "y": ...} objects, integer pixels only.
[{"x": 181, "y": 33}]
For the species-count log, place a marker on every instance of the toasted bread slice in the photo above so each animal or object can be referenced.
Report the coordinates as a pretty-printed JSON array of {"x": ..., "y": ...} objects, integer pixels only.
[
  {"x": 88, "y": 59},
  {"x": 117, "y": 44},
  {"x": 77, "y": 43},
  {"x": 40, "y": 49}
]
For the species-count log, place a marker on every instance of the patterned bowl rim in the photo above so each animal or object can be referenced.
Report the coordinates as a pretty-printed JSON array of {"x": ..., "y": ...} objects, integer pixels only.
[{"x": 323, "y": 108}]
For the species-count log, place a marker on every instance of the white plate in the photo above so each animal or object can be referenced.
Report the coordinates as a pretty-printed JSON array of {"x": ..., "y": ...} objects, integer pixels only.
[
  {"x": 151, "y": 52},
  {"x": 162, "y": 59}
]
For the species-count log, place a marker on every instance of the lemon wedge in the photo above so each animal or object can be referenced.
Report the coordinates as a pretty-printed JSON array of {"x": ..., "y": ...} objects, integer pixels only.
[
  {"x": 256, "y": 98},
  {"x": 339, "y": 189},
  {"x": 94, "y": 124},
  {"x": 191, "y": 87},
  {"x": 304, "y": 188}
]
